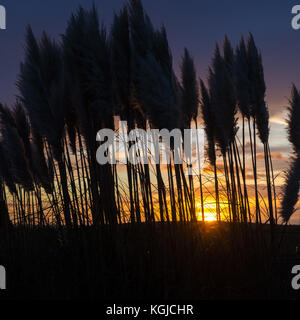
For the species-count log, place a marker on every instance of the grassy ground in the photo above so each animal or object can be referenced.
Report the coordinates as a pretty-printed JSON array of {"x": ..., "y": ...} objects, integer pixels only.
[{"x": 184, "y": 261}]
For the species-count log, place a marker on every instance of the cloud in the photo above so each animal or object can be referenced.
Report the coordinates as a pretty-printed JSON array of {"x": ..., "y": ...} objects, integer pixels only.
[
  {"x": 278, "y": 120},
  {"x": 279, "y": 156},
  {"x": 275, "y": 155}
]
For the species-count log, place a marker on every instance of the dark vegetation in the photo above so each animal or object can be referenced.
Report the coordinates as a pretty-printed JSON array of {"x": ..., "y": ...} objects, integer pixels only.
[
  {"x": 71, "y": 228},
  {"x": 148, "y": 262}
]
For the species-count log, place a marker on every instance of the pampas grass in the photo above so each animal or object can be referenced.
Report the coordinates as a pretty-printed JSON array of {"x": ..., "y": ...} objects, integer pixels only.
[
  {"x": 292, "y": 180},
  {"x": 290, "y": 190},
  {"x": 140, "y": 217},
  {"x": 70, "y": 90}
]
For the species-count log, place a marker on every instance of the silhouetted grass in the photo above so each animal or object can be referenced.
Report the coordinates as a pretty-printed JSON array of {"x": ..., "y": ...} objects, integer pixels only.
[{"x": 71, "y": 228}]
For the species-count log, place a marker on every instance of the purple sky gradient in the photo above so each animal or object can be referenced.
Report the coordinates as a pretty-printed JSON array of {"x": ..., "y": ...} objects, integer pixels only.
[{"x": 195, "y": 24}]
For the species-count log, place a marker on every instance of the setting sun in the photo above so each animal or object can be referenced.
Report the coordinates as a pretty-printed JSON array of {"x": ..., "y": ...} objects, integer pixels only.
[{"x": 210, "y": 213}]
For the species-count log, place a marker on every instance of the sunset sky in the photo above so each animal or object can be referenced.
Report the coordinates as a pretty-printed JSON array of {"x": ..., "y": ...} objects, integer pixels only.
[{"x": 195, "y": 24}]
